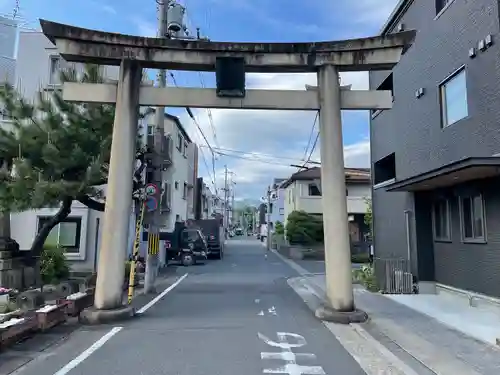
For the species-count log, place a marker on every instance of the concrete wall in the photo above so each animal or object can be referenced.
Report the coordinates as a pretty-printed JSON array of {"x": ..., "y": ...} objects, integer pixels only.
[{"x": 412, "y": 129}]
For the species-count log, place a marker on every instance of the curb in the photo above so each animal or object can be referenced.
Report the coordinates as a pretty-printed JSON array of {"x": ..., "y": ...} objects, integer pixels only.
[{"x": 370, "y": 354}]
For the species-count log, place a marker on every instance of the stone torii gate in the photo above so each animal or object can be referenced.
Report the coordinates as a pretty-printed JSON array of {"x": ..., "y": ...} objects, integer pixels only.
[{"x": 133, "y": 53}]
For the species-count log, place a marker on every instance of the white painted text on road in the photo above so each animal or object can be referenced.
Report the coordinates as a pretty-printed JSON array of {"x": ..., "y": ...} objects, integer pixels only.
[{"x": 286, "y": 342}]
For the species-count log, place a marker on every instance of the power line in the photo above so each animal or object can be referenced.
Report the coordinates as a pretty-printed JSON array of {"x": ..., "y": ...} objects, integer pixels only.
[
  {"x": 209, "y": 112},
  {"x": 253, "y": 159},
  {"x": 310, "y": 136},
  {"x": 259, "y": 155},
  {"x": 193, "y": 118},
  {"x": 314, "y": 144}
]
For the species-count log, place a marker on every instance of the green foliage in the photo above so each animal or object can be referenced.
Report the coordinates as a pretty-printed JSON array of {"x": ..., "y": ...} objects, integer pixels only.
[
  {"x": 304, "y": 229},
  {"x": 53, "y": 265},
  {"x": 366, "y": 276},
  {"x": 369, "y": 213},
  {"x": 54, "y": 148},
  {"x": 279, "y": 228}
]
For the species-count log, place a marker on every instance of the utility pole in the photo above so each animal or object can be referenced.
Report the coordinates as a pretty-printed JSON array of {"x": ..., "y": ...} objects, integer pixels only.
[
  {"x": 268, "y": 219},
  {"x": 232, "y": 202},
  {"x": 152, "y": 258},
  {"x": 225, "y": 213}
]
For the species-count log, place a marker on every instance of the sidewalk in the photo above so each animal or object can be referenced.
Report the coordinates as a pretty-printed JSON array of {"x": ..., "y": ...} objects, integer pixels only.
[{"x": 414, "y": 343}]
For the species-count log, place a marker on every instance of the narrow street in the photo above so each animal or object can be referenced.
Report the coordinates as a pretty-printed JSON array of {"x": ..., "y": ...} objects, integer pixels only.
[{"x": 235, "y": 316}]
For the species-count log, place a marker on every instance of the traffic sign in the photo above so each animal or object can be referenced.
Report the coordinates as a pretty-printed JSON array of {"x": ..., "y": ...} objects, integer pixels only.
[
  {"x": 151, "y": 189},
  {"x": 151, "y": 204}
]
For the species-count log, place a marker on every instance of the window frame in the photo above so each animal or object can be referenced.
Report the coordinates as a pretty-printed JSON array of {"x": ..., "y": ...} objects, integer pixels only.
[
  {"x": 78, "y": 239},
  {"x": 52, "y": 59},
  {"x": 441, "y": 9},
  {"x": 442, "y": 96},
  {"x": 474, "y": 240},
  {"x": 312, "y": 184},
  {"x": 180, "y": 142},
  {"x": 448, "y": 237}
]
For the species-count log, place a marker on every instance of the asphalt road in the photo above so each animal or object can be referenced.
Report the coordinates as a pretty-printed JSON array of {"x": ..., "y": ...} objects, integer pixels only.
[{"x": 235, "y": 316}]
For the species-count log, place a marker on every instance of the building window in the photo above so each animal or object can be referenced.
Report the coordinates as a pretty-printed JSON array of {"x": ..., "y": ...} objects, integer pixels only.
[
  {"x": 441, "y": 4},
  {"x": 151, "y": 129},
  {"x": 176, "y": 185},
  {"x": 472, "y": 218},
  {"x": 453, "y": 96},
  {"x": 185, "y": 149},
  {"x": 313, "y": 190},
  {"x": 180, "y": 141},
  {"x": 385, "y": 169},
  {"x": 386, "y": 85},
  {"x": 441, "y": 220},
  {"x": 65, "y": 235},
  {"x": 185, "y": 191},
  {"x": 55, "y": 70}
]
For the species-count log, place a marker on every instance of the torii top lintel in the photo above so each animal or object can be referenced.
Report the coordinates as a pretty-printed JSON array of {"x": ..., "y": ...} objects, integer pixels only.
[{"x": 92, "y": 46}]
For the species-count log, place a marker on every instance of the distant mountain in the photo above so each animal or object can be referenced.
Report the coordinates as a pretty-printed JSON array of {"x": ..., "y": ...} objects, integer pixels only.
[{"x": 246, "y": 202}]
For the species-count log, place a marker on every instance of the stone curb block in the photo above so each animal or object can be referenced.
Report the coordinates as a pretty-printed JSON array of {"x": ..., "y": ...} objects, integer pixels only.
[
  {"x": 50, "y": 316},
  {"x": 21, "y": 329}
]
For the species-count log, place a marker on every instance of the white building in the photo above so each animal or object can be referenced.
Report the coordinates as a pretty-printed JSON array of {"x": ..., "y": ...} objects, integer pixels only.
[
  {"x": 181, "y": 174},
  {"x": 37, "y": 69},
  {"x": 8, "y": 44},
  {"x": 302, "y": 192}
]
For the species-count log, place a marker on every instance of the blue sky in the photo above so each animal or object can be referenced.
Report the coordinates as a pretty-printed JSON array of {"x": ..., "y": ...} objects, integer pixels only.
[{"x": 275, "y": 138}]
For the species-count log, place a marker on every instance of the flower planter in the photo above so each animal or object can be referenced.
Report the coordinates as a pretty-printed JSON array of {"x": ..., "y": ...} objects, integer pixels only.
[
  {"x": 15, "y": 330},
  {"x": 50, "y": 316},
  {"x": 77, "y": 302}
]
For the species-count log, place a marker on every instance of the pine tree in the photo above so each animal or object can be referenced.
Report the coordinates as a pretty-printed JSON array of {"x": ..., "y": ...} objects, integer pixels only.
[{"x": 57, "y": 152}]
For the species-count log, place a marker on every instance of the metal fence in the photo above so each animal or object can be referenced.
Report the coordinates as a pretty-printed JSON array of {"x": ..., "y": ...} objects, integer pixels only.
[{"x": 394, "y": 275}]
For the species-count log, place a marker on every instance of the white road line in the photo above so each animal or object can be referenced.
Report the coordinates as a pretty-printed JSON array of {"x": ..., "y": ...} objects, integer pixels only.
[
  {"x": 161, "y": 295},
  {"x": 99, "y": 343},
  {"x": 86, "y": 353}
]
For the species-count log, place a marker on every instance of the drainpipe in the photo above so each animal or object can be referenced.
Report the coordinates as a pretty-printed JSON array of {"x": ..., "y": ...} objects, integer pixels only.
[{"x": 408, "y": 237}]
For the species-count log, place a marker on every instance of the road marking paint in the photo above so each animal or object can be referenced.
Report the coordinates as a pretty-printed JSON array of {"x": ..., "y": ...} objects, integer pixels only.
[
  {"x": 272, "y": 311},
  {"x": 295, "y": 369},
  {"x": 257, "y": 300},
  {"x": 161, "y": 295},
  {"x": 291, "y": 366},
  {"x": 261, "y": 313},
  {"x": 88, "y": 352},
  {"x": 287, "y": 355}
]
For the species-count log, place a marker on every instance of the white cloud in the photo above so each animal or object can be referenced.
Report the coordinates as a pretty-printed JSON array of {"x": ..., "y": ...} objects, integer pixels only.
[
  {"x": 276, "y": 138},
  {"x": 374, "y": 12},
  {"x": 108, "y": 9},
  {"x": 145, "y": 28}
]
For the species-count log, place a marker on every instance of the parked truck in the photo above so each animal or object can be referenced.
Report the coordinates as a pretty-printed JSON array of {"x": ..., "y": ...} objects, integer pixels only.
[
  {"x": 184, "y": 245},
  {"x": 214, "y": 235}
]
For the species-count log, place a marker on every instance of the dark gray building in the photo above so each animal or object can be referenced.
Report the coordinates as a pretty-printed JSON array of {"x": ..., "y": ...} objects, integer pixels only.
[{"x": 436, "y": 194}]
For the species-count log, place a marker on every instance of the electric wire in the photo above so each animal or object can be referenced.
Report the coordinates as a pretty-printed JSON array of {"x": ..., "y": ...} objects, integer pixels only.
[
  {"x": 193, "y": 118},
  {"x": 260, "y": 155},
  {"x": 308, "y": 160}
]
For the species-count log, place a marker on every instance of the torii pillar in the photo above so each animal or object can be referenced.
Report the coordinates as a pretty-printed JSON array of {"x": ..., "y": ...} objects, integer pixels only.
[{"x": 327, "y": 59}]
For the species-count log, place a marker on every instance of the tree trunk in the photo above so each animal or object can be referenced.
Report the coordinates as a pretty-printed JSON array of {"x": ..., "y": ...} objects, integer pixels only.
[
  {"x": 91, "y": 203},
  {"x": 43, "y": 233}
]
